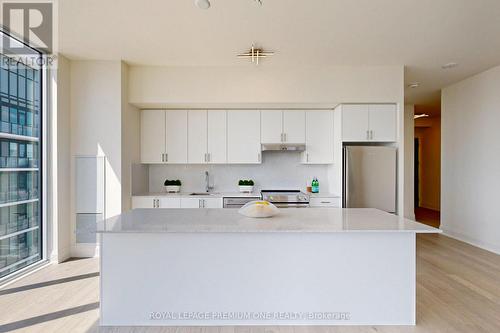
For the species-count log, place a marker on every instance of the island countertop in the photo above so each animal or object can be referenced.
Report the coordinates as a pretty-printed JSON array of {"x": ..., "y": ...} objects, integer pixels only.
[{"x": 296, "y": 220}]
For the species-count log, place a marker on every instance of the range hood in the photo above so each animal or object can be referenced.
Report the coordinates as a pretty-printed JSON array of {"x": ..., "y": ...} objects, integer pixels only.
[{"x": 283, "y": 147}]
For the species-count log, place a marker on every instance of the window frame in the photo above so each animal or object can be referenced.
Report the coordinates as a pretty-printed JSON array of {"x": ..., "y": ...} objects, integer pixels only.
[{"x": 43, "y": 143}]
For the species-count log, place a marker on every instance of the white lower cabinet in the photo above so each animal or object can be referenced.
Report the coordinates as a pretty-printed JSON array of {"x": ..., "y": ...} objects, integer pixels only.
[
  {"x": 201, "y": 202},
  {"x": 155, "y": 202},
  {"x": 332, "y": 202}
]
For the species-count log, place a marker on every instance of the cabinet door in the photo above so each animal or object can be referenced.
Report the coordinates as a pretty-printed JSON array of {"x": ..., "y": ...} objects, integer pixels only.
[
  {"x": 217, "y": 131},
  {"x": 176, "y": 128},
  {"x": 212, "y": 203},
  {"x": 271, "y": 126},
  {"x": 319, "y": 137},
  {"x": 190, "y": 203},
  {"x": 383, "y": 120},
  {"x": 243, "y": 137},
  {"x": 152, "y": 136},
  {"x": 294, "y": 127},
  {"x": 170, "y": 202},
  {"x": 355, "y": 122},
  {"x": 143, "y": 202},
  {"x": 197, "y": 137}
]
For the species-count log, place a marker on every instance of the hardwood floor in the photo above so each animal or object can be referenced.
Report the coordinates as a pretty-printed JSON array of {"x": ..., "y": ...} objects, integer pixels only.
[{"x": 458, "y": 290}]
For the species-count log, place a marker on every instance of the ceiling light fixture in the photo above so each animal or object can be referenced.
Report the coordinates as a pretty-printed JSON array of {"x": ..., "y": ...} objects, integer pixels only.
[
  {"x": 202, "y": 4},
  {"x": 255, "y": 54},
  {"x": 449, "y": 65},
  {"x": 414, "y": 85},
  {"x": 422, "y": 115}
]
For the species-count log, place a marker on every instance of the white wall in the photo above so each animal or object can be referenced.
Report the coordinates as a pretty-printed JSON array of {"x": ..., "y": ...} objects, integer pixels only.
[
  {"x": 96, "y": 128},
  {"x": 279, "y": 170},
  {"x": 409, "y": 211},
  {"x": 260, "y": 85},
  {"x": 61, "y": 159},
  {"x": 470, "y": 163},
  {"x": 130, "y": 145}
]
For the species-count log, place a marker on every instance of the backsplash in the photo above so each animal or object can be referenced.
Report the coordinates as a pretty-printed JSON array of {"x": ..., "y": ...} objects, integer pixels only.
[{"x": 279, "y": 170}]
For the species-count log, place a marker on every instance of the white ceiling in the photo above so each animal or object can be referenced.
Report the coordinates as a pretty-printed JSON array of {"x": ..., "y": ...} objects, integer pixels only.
[{"x": 420, "y": 34}]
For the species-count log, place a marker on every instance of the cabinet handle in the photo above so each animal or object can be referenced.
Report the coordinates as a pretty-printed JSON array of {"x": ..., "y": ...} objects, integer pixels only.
[
  {"x": 162, "y": 157},
  {"x": 209, "y": 156},
  {"x": 203, "y": 203},
  {"x": 367, "y": 135},
  {"x": 284, "y": 137},
  {"x": 205, "y": 157},
  {"x": 281, "y": 137},
  {"x": 371, "y": 134},
  {"x": 259, "y": 157},
  {"x": 307, "y": 157}
]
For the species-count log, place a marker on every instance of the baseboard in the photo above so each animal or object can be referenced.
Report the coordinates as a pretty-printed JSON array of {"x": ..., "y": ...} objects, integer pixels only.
[{"x": 474, "y": 242}]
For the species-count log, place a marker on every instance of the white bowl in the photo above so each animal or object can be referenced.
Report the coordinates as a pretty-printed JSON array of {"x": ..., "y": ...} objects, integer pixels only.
[
  {"x": 246, "y": 188},
  {"x": 172, "y": 189}
]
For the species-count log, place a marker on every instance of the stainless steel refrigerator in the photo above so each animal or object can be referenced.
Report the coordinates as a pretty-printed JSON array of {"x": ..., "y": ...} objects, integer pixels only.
[{"x": 369, "y": 177}]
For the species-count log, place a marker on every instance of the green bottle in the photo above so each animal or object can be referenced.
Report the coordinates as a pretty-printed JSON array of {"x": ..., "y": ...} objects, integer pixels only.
[{"x": 315, "y": 185}]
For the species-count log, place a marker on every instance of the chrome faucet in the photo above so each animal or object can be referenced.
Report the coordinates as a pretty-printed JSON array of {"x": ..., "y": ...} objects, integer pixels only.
[{"x": 207, "y": 183}]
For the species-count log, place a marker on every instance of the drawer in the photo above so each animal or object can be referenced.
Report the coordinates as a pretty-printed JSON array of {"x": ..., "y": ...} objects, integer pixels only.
[{"x": 325, "y": 202}]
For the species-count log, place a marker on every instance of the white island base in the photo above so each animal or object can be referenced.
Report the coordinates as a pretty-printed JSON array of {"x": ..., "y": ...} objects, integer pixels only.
[{"x": 260, "y": 275}]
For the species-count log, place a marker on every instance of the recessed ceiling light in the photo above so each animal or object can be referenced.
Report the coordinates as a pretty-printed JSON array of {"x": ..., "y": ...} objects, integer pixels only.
[
  {"x": 202, "y": 4},
  {"x": 449, "y": 65},
  {"x": 422, "y": 115},
  {"x": 414, "y": 85}
]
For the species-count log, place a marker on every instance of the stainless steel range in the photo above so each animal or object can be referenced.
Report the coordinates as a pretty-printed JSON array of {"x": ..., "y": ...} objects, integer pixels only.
[{"x": 286, "y": 198}]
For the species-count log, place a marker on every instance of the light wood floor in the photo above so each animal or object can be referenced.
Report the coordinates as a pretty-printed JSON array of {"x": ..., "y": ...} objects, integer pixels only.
[{"x": 458, "y": 290}]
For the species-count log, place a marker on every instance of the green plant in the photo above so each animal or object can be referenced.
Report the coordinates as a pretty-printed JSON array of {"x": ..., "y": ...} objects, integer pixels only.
[
  {"x": 172, "y": 182},
  {"x": 244, "y": 182}
]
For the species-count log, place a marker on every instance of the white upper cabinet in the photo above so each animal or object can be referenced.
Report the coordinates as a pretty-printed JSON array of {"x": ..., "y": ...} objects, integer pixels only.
[
  {"x": 383, "y": 120},
  {"x": 177, "y": 130},
  {"x": 294, "y": 129},
  {"x": 197, "y": 137},
  {"x": 369, "y": 122},
  {"x": 283, "y": 126},
  {"x": 355, "y": 122},
  {"x": 217, "y": 141},
  {"x": 319, "y": 137},
  {"x": 243, "y": 136},
  {"x": 271, "y": 126},
  {"x": 153, "y": 147}
]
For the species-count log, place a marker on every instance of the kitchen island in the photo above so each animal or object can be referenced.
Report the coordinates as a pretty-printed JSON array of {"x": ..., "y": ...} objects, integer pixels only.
[{"x": 201, "y": 267}]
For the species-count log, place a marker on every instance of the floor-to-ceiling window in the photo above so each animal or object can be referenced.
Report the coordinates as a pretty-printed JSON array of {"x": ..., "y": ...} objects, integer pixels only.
[{"x": 20, "y": 164}]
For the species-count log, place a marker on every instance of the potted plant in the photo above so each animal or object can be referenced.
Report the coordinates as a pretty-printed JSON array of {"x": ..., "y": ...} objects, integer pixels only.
[
  {"x": 246, "y": 186},
  {"x": 172, "y": 186}
]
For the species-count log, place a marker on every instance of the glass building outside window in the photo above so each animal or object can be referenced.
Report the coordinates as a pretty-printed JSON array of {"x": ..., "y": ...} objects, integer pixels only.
[{"x": 20, "y": 176}]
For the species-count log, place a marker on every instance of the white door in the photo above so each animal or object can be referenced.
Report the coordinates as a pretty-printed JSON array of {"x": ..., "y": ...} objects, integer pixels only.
[
  {"x": 190, "y": 203},
  {"x": 319, "y": 137},
  {"x": 143, "y": 202},
  {"x": 170, "y": 202},
  {"x": 243, "y": 137},
  {"x": 294, "y": 127},
  {"x": 271, "y": 126},
  {"x": 197, "y": 137},
  {"x": 217, "y": 136},
  {"x": 383, "y": 120},
  {"x": 176, "y": 125},
  {"x": 355, "y": 122},
  {"x": 152, "y": 136},
  {"x": 212, "y": 203}
]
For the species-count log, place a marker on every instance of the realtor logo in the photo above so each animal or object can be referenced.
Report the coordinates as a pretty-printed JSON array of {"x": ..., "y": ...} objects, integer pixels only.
[{"x": 30, "y": 21}]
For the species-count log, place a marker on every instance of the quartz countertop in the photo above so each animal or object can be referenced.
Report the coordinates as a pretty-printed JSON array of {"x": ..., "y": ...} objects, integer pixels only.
[{"x": 319, "y": 220}]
